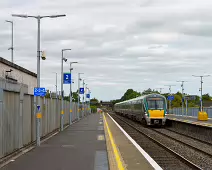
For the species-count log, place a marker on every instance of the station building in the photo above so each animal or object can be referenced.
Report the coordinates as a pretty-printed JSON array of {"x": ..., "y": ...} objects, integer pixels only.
[{"x": 14, "y": 77}]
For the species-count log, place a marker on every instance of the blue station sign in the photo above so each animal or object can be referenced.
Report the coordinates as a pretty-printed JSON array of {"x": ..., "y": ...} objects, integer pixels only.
[
  {"x": 66, "y": 78},
  {"x": 88, "y": 96},
  {"x": 39, "y": 91},
  {"x": 171, "y": 98},
  {"x": 81, "y": 91}
]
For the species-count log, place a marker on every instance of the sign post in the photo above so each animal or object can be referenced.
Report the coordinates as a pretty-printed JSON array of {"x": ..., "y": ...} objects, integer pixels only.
[
  {"x": 40, "y": 91},
  {"x": 170, "y": 98}
]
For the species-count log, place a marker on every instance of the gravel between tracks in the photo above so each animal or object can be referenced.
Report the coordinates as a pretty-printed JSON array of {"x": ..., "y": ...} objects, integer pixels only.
[
  {"x": 198, "y": 158},
  {"x": 191, "y": 134},
  {"x": 195, "y": 143},
  {"x": 164, "y": 158}
]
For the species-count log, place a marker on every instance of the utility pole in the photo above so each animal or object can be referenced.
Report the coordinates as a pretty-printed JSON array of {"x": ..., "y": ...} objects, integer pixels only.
[
  {"x": 170, "y": 92},
  {"x": 201, "y": 78},
  {"x": 38, "y": 115},
  {"x": 70, "y": 116}
]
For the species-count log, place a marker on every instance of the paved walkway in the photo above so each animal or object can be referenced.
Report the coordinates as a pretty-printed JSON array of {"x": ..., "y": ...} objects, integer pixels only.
[{"x": 79, "y": 147}]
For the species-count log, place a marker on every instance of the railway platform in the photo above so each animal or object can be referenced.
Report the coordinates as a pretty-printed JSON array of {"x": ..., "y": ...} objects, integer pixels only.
[
  {"x": 96, "y": 142},
  {"x": 81, "y": 146},
  {"x": 190, "y": 120}
]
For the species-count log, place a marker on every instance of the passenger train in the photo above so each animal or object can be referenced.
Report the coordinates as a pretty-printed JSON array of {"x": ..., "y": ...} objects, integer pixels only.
[{"x": 150, "y": 109}]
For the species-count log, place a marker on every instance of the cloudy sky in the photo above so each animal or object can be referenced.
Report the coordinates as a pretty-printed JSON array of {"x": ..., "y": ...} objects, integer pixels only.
[{"x": 119, "y": 44}]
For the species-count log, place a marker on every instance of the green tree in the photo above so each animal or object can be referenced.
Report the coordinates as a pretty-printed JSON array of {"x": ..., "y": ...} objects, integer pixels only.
[
  {"x": 130, "y": 94},
  {"x": 177, "y": 102},
  {"x": 206, "y": 97},
  {"x": 75, "y": 96},
  {"x": 149, "y": 91},
  {"x": 94, "y": 102}
]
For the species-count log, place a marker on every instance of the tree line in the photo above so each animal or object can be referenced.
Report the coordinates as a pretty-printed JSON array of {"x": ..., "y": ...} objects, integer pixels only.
[{"x": 177, "y": 102}]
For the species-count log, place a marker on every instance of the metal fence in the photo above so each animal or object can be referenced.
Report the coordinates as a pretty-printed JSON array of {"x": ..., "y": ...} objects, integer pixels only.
[
  {"x": 190, "y": 112},
  {"x": 17, "y": 119}
]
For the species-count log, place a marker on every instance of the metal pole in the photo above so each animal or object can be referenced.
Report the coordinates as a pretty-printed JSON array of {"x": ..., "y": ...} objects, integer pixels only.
[
  {"x": 182, "y": 85},
  {"x": 170, "y": 95},
  {"x": 56, "y": 86},
  {"x": 186, "y": 107},
  {"x": 182, "y": 98},
  {"x": 89, "y": 101},
  {"x": 70, "y": 116},
  {"x": 11, "y": 48},
  {"x": 201, "y": 95},
  {"x": 78, "y": 95},
  {"x": 62, "y": 94},
  {"x": 170, "y": 100},
  {"x": 86, "y": 102},
  {"x": 38, "y": 82},
  {"x": 12, "y": 45},
  {"x": 201, "y": 102},
  {"x": 84, "y": 98},
  {"x": 38, "y": 116}
]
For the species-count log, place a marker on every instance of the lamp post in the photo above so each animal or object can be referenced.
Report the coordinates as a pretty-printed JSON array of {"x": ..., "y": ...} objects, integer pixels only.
[
  {"x": 70, "y": 120},
  {"x": 38, "y": 17},
  {"x": 62, "y": 92},
  {"x": 182, "y": 85},
  {"x": 56, "y": 84},
  {"x": 201, "y": 78},
  {"x": 86, "y": 103},
  {"x": 170, "y": 91},
  {"x": 79, "y": 79},
  {"x": 89, "y": 100},
  {"x": 11, "y": 48},
  {"x": 83, "y": 99}
]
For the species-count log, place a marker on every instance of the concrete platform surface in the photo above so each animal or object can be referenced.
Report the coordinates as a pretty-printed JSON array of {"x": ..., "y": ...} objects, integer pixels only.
[
  {"x": 190, "y": 120},
  {"x": 81, "y": 146},
  {"x": 130, "y": 156}
]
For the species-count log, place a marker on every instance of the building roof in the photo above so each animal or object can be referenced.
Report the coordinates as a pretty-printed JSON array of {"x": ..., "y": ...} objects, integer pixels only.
[{"x": 13, "y": 65}]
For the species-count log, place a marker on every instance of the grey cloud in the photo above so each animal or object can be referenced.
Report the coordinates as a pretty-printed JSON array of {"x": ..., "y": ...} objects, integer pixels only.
[{"x": 118, "y": 44}]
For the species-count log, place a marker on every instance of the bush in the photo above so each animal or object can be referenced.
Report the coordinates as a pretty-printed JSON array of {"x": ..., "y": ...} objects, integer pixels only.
[{"x": 93, "y": 109}]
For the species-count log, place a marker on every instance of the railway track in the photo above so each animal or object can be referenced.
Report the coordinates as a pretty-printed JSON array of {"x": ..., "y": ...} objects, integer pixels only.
[
  {"x": 160, "y": 151},
  {"x": 191, "y": 137},
  {"x": 198, "y": 145}
]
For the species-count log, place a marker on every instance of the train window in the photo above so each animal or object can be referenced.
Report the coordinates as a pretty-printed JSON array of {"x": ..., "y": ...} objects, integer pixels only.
[
  {"x": 159, "y": 104},
  {"x": 155, "y": 104}
]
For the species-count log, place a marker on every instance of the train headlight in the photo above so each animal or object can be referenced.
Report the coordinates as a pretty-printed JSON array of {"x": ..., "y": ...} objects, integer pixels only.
[{"x": 146, "y": 114}]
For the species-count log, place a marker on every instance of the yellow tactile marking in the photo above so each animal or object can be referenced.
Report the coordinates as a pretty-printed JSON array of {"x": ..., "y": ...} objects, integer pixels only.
[
  {"x": 101, "y": 137},
  {"x": 115, "y": 150},
  {"x": 39, "y": 115}
]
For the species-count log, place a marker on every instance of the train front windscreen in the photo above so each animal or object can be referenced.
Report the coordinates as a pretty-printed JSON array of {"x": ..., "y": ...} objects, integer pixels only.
[{"x": 155, "y": 103}]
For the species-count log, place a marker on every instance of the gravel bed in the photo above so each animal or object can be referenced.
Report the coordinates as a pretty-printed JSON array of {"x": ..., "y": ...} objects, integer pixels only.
[
  {"x": 202, "y": 160},
  {"x": 164, "y": 158},
  {"x": 191, "y": 134},
  {"x": 195, "y": 143}
]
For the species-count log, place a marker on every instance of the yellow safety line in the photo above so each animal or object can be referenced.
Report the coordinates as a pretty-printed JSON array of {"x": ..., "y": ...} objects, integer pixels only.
[{"x": 115, "y": 150}]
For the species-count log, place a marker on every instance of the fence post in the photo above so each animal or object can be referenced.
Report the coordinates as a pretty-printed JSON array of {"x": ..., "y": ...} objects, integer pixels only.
[{"x": 1, "y": 121}]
